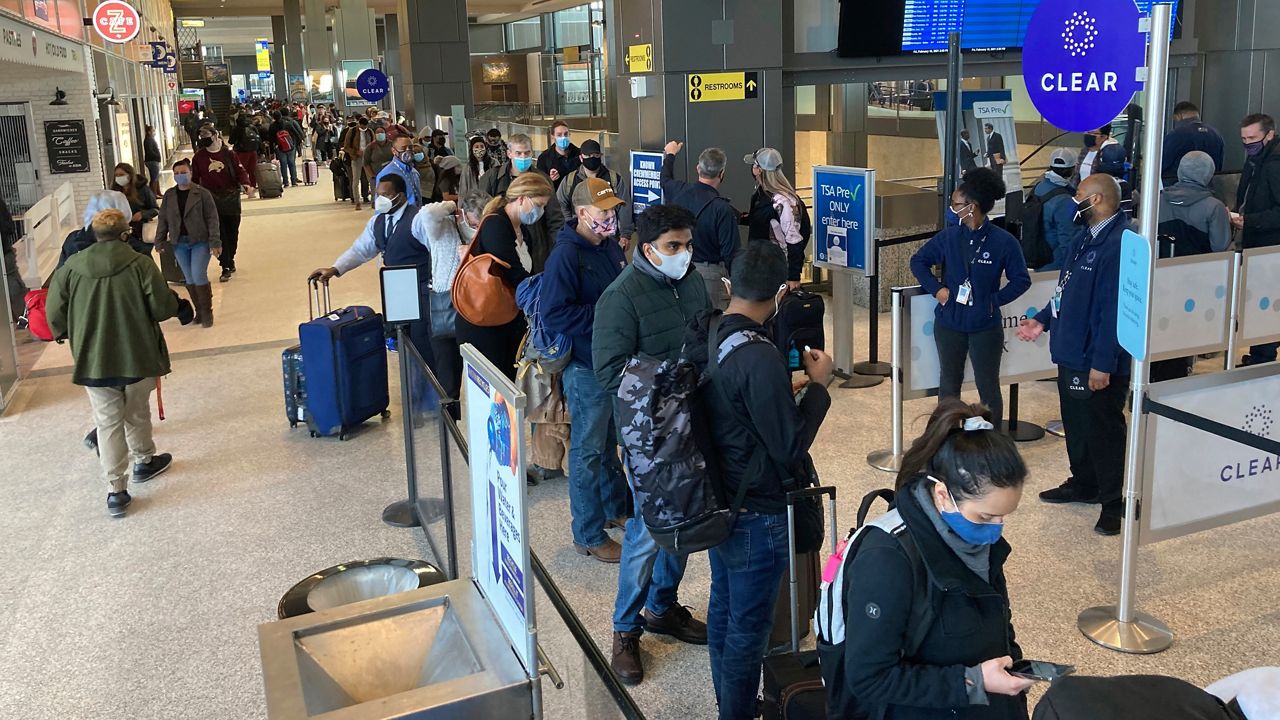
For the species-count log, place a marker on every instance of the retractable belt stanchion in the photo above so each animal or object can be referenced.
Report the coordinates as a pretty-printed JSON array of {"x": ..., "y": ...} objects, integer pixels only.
[
  {"x": 891, "y": 460},
  {"x": 403, "y": 513},
  {"x": 1020, "y": 430},
  {"x": 873, "y": 366},
  {"x": 1121, "y": 627},
  {"x": 1237, "y": 265}
]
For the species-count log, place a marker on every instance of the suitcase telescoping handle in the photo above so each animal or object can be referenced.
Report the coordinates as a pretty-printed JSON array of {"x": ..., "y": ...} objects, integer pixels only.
[
  {"x": 792, "y": 579},
  {"x": 317, "y": 302}
]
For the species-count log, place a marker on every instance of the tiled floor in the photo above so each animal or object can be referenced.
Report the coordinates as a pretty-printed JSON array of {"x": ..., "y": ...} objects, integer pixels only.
[{"x": 155, "y": 615}]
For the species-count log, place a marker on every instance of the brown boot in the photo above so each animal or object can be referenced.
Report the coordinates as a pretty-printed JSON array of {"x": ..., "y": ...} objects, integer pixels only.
[
  {"x": 608, "y": 551},
  {"x": 206, "y": 300},
  {"x": 626, "y": 657},
  {"x": 196, "y": 303}
]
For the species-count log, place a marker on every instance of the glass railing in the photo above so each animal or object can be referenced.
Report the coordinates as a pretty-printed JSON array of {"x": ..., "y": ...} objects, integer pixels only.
[{"x": 577, "y": 680}]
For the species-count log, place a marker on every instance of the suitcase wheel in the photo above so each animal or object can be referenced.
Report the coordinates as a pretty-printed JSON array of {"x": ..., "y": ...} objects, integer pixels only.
[
  {"x": 293, "y": 424},
  {"x": 386, "y": 414},
  {"x": 313, "y": 434},
  {"x": 342, "y": 437}
]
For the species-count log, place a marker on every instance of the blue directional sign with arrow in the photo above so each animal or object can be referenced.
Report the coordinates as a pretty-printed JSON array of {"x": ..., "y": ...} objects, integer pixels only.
[{"x": 646, "y": 179}]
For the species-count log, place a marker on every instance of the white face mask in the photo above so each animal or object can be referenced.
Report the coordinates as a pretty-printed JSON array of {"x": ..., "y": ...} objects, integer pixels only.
[
  {"x": 383, "y": 204},
  {"x": 122, "y": 180},
  {"x": 673, "y": 266}
]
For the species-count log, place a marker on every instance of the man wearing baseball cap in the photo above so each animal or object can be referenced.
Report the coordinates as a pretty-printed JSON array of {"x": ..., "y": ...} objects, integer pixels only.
[
  {"x": 593, "y": 166},
  {"x": 1052, "y": 196},
  {"x": 585, "y": 260}
]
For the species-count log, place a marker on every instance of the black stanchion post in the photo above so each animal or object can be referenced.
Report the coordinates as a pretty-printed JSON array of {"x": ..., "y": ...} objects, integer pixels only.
[
  {"x": 403, "y": 513},
  {"x": 873, "y": 366},
  {"x": 1020, "y": 430},
  {"x": 446, "y": 476}
]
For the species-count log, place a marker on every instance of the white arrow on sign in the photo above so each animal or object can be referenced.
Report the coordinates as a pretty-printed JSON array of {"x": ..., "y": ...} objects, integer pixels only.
[{"x": 650, "y": 195}]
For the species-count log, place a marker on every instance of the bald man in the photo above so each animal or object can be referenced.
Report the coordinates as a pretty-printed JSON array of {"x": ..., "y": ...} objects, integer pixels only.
[{"x": 1092, "y": 367}]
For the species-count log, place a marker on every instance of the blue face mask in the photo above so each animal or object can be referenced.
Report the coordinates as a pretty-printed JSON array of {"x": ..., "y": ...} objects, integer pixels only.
[
  {"x": 563, "y": 142},
  {"x": 419, "y": 157},
  {"x": 522, "y": 164},
  {"x": 954, "y": 218},
  {"x": 969, "y": 531}
]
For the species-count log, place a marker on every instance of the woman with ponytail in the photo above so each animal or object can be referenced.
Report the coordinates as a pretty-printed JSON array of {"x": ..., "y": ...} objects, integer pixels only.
[{"x": 927, "y": 621}]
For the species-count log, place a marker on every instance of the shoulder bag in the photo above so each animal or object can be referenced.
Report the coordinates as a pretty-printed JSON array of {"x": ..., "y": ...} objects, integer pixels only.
[{"x": 481, "y": 294}]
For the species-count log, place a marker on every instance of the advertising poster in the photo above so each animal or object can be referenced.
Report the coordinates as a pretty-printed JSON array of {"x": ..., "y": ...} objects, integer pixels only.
[
  {"x": 844, "y": 218},
  {"x": 988, "y": 138},
  {"x": 67, "y": 146},
  {"x": 351, "y": 70},
  {"x": 500, "y": 547}
]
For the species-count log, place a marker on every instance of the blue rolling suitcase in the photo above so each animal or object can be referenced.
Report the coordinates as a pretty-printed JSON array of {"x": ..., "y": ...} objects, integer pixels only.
[
  {"x": 295, "y": 388},
  {"x": 346, "y": 367}
]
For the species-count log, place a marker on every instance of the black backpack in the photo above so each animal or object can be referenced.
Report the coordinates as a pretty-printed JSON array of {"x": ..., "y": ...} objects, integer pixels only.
[
  {"x": 797, "y": 324},
  {"x": 249, "y": 140},
  {"x": 1035, "y": 249},
  {"x": 1178, "y": 239}
]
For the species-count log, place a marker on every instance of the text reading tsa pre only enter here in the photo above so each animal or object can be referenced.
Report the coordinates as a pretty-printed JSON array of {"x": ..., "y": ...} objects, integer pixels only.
[{"x": 840, "y": 200}]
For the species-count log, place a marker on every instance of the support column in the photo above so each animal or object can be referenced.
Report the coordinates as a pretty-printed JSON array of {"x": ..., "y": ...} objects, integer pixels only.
[
  {"x": 391, "y": 60},
  {"x": 354, "y": 39},
  {"x": 317, "y": 47},
  {"x": 435, "y": 58},
  {"x": 293, "y": 63},
  {"x": 278, "y": 40}
]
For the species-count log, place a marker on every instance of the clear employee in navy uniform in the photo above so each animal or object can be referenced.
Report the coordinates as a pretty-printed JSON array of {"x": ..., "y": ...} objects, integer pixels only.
[
  {"x": 1093, "y": 369},
  {"x": 975, "y": 256}
]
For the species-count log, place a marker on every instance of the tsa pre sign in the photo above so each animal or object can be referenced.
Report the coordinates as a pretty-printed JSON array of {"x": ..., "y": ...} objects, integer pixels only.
[{"x": 844, "y": 217}]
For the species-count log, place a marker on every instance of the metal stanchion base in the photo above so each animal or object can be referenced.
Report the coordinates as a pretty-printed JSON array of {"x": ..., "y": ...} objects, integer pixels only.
[
  {"x": 1144, "y": 636},
  {"x": 883, "y": 369},
  {"x": 1056, "y": 428},
  {"x": 860, "y": 381},
  {"x": 399, "y": 514},
  {"x": 1023, "y": 431},
  {"x": 885, "y": 460}
]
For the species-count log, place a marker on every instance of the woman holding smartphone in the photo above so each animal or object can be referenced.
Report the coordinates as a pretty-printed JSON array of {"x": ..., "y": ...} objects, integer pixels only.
[
  {"x": 974, "y": 255},
  {"x": 927, "y": 621}
]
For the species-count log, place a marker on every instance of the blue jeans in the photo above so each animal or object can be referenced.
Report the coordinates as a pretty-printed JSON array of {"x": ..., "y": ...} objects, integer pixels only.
[
  {"x": 288, "y": 167},
  {"x": 647, "y": 577},
  {"x": 746, "y": 570},
  {"x": 597, "y": 485},
  {"x": 193, "y": 258}
]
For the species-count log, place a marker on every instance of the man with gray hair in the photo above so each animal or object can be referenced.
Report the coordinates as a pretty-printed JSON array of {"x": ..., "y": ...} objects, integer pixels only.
[{"x": 716, "y": 233}]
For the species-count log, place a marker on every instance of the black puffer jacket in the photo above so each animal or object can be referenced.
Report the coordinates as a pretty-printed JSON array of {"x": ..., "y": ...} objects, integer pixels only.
[
  {"x": 1258, "y": 198},
  {"x": 970, "y": 624}
]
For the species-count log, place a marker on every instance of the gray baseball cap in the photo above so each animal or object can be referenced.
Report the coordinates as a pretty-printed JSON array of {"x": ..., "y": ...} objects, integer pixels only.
[
  {"x": 767, "y": 158},
  {"x": 1062, "y": 158}
]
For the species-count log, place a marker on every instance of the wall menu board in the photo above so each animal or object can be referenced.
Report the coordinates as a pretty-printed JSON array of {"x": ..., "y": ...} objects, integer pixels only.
[{"x": 68, "y": 148}]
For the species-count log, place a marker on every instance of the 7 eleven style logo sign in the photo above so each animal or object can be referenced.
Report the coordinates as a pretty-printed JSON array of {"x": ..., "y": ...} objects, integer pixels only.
[{"x": 116, "y": 21}]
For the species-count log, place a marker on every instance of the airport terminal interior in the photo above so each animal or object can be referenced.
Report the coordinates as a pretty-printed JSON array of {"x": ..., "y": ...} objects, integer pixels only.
[{"x": 194, "y": 603}]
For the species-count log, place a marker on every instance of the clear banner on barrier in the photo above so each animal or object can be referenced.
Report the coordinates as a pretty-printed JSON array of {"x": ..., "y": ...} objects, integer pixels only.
[
  {"x": 1260, "y": 309},
  {"x": 1194, "y": 480}
]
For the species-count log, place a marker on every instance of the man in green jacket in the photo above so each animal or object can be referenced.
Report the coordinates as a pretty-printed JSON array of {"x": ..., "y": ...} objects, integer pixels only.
[
  {"x": 645, "y": 311},
  {"x": 108, "y": 301}
]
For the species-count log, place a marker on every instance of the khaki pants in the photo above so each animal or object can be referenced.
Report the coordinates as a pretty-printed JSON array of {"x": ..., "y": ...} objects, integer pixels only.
[
  {"x": 123, "y": 417},
  {"x": 711, "y": 275}
]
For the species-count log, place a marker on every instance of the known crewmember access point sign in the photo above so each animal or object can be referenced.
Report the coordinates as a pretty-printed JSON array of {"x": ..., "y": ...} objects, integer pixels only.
[{"x": 714, "y": 87}]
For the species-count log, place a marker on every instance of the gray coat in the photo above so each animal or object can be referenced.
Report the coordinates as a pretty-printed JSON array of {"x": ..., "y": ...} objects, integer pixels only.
[
  {"x": 1195, "y": 205},
  {"x": 201, "y": 218}
]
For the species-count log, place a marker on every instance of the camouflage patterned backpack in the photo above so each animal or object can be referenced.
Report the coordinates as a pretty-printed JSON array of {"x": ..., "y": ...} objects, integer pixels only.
[{"x": 679, "y": 493}]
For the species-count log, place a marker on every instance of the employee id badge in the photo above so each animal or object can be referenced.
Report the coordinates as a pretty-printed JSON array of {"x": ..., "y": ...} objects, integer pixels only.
[
  {"x": 964, "y": 294},
  {"x": 1056, "y": 303}
]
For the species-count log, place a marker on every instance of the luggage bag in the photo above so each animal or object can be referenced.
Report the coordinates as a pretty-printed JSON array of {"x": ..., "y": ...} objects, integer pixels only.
[
  {"x": 310, "y": 172},
  {"x": 341, "y": 187},
  {"x": 269, "y": 183},
  {"x": 793, "y": 688},
  {"x": 169, "y": 265},
  {"x": 345, "y": 361},
  {"x": 295, "y": 388},
  {"x": 798, "y": 323}
]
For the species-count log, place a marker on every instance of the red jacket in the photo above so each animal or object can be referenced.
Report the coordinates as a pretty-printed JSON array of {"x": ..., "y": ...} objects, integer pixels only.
[{"x": 218, "y": 172}]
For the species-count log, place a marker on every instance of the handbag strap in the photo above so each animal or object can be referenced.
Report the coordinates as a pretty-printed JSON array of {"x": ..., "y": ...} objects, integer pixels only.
[{"x": 713, "y": 369}]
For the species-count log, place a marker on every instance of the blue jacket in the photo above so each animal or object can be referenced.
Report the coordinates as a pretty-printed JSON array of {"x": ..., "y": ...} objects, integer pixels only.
[
  {"x": 575, "y": 277},
  {"x": 1083, "y": 336},
  {"x": 412, "y": 180},
  {"x": 992, "y": 252},
  {"x": 1058, "y": 220}
]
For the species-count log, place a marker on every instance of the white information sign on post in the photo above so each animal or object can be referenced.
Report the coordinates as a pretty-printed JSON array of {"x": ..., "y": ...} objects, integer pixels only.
[{"x": 500, "y": 539}]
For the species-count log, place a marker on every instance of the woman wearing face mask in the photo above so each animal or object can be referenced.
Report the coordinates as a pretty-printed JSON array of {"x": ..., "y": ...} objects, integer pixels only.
[
  {"x": 142, "y": 203},
  {"x": 426, "y": 173},
  {"x": 927, "y": 619},
  {"x": 477, "y": 164},
  {"x": 974, "y": 254},
  {"x": 777, "y": 214},
  {"x": 501, "y": 234},
  {"x": 449, "y": 171}
]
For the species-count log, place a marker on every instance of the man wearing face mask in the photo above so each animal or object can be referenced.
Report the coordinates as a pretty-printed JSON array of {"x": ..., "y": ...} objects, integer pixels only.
[
  {"x": 585, "y": 260},
  {"x": 562, "y": 158},
  {"x": 1257, "y": 214},
  {"x": 645, "y": 312},
  {"x": 216, "y": 169},
  {"x": 593, "y": 167},
  {"x": 438, "y": 149},
  {"x": 495, "y": 182},
  {"x": 763, "y": 434},
  {"x": 378, "y": 153},
  {"x": 1087, "y": 163},
  {"x": 1055, "y": 223},
  {"x": 286, "y": 135},
  {"x": 402, "y": 164},
  {"x": 717, "y": 231},
  {"x": 497, "y": 148},
  {"x": 1093, "y": 369},
  {"x": 356, "y": 140}
]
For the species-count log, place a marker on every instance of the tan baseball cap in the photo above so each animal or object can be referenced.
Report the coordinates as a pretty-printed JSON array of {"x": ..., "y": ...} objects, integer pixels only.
[{"x": 595, "y": 191}]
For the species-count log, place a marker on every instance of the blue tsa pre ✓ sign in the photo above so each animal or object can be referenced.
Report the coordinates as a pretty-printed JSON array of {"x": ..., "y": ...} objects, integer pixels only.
[
  {"x": 844, "y": 217},
  {"x": 1082, "y": 59}
]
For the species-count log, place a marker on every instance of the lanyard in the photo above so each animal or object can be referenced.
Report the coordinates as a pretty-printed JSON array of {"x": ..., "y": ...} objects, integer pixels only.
[
  {"x": 974, "y": 258},
  {"x": 1066, "y": 278}
]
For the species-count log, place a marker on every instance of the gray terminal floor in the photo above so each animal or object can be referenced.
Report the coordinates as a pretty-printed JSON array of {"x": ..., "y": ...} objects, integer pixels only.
[{"x": 156, "y": 615}]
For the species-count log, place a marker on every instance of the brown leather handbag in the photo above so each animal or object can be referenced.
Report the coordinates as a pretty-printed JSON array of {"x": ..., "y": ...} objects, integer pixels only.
[{"x": 481, "y": 294}]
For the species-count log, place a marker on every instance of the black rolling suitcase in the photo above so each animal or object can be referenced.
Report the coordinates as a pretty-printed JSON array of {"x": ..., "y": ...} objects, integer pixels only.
[
  {"x": 799, "y": 324},
  {"x": 793, "y": 688},
  {"x": 169, "y": 266}
]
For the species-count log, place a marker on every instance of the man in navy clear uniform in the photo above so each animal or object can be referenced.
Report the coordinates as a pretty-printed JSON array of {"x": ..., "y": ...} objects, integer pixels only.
[
  {"x": 1189, "y": 134},
  {"x": 1092, "y": 367}
]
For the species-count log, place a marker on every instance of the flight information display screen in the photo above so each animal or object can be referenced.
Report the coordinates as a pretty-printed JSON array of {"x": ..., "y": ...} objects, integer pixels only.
[{"x": 983, "y": 24}]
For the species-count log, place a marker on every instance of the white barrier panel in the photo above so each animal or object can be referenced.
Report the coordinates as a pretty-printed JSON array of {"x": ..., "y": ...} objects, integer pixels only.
[
  {"x": 1022, "y": 362},
  {"x": 1194, "y": 480},
  {"x": 1260, "y": 311},
  {"x": 1191, "y": 305}
]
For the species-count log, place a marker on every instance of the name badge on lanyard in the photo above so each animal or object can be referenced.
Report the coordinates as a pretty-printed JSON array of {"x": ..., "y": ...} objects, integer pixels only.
[{"x": 964, "y": 294}]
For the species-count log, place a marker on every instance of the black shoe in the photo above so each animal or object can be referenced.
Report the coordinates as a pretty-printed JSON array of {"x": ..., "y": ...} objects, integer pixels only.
[
  {"x": 1108, "y": 523},
  {"x": 1069, "y": 492},
  {"x": 677, "y": 622},
  {"x": 118, "y": 503},
  {"x": 91, "y": 441},
  {"x": 143, "y": 472},
  {"x": 226, "y": 275}
]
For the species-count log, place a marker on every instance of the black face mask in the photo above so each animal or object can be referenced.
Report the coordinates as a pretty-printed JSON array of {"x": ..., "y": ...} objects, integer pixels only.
[
  {"x": 1083, "y": 216},
  {"x": 591, "y": 163},
  {"x": 205, "y": 142}
]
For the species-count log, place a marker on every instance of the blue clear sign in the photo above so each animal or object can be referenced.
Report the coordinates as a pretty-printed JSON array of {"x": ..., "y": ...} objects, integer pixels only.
[
  {"x": 372, "y": 84},
  {"x": 646, "y": 179},
  {"x": 843, "y": 217},
  {"x": 264, "y": 75},
  {"x": 1081, "y": 61},
  {"x": 1135, "y": 294}
]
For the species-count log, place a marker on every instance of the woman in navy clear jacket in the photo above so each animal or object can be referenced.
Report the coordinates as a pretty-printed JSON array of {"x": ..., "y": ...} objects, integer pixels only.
[{"x": 974, "y": 255}]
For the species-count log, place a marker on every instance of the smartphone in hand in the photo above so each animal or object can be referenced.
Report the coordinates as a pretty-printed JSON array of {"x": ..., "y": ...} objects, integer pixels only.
[{"x": 1040, "y": 670}]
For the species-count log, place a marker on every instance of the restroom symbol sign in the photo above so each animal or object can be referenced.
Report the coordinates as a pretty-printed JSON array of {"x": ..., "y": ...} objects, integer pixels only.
[{"x": 713, "y": 87}]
